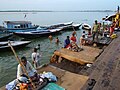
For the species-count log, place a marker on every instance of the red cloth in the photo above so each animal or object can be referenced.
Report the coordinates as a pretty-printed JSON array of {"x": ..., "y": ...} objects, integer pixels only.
[
  {"x": 73, "y": 38},
  {"x": 67, "y": 46},
  {"x": 111, "y": 30}
]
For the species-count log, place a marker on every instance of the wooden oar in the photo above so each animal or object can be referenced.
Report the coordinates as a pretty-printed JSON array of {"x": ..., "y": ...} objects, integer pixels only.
[{"x": 19, "y": 61}]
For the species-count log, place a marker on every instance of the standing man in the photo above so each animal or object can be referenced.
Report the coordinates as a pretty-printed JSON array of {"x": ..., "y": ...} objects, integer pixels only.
[
  {"x": 95, "y": 30},
  {"x": 36, "y": 58}
]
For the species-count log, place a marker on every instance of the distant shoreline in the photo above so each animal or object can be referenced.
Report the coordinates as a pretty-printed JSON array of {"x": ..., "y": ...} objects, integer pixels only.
[{"x": 57, "y": 11}]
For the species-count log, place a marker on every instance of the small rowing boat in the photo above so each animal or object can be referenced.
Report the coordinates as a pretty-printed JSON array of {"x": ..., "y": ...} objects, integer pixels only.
[
  {"x": 86, "y": 26},
  {"x": 16, "y": 44}
]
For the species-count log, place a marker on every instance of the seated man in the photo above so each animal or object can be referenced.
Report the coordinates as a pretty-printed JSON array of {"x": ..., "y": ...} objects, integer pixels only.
[
  {"x": 73, "y": 38},
  {"x": 32, "y": 73},
  {"x": 67, "y": 42},
  {"x": 82, "y": 40}
]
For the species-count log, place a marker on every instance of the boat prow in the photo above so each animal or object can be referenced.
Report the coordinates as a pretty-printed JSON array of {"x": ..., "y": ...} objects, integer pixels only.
[{"x": 86, "y": 26}]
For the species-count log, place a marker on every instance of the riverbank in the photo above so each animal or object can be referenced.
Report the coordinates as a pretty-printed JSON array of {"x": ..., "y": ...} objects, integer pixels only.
[
  {"x": 67, "y": 70},
  {"x": 8, "y": 63},
  {"x": 103, "y": 73}
]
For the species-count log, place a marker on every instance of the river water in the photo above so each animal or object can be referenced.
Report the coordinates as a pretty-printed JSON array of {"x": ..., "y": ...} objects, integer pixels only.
[{"x": 8, "y": 63}]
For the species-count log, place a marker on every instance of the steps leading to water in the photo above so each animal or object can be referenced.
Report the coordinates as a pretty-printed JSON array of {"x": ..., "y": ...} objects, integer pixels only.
[{"x": 105, "y": 71}]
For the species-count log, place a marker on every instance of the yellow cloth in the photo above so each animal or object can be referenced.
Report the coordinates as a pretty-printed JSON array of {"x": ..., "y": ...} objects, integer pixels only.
[{"x": 117, "y": 18}]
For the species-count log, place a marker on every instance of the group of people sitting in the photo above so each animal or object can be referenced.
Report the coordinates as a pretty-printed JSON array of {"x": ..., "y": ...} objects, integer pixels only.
[{"x": 71, "y": 43}]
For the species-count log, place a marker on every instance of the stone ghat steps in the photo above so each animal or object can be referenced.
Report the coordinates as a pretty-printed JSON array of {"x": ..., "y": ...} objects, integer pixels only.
[{"x": 104, "y": 74}]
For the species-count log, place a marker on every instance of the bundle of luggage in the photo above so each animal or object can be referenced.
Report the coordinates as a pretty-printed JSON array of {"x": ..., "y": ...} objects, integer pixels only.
[
  {"x": 74, "y": 47},
  {"x": 24, "y": 83}
]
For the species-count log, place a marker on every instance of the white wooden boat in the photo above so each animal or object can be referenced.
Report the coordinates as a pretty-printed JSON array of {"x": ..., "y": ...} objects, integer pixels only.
[
  {"x": 16, "y": 44},
  {"x": 86, "y": 26}
]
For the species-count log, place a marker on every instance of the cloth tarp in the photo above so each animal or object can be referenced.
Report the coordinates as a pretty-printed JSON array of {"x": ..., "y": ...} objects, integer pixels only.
[{"x": 53, "y": 86}]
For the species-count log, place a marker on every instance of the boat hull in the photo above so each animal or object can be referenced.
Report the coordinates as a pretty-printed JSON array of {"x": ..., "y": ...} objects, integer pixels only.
[
  {"x": 5, "y": 37},
  {"x": 70, "y": 27},
  {"x": 63, "y": 26},
  {"x": 37, "y": 33},
  {"x": 86, "y": 26},
  {"x": 16, "y": 44}
]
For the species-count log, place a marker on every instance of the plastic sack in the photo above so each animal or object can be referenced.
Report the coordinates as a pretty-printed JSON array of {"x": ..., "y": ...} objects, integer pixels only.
[
  {"x": 49, "y": 76},
  {"x": 11, "y": 85}
]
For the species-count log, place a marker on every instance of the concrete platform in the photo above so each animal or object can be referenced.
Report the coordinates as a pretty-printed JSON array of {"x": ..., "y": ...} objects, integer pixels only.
[
  {"x": 87, "y": 55},
  {"x": 66, "y": 79}
]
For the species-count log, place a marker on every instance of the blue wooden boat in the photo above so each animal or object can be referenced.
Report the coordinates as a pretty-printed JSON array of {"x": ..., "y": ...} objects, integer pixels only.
[
  {"x": 18, "y": 26},
  {"x": 37, "y": 33}
]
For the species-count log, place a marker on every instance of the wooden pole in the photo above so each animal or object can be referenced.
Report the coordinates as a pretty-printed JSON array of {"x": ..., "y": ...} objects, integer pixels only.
[
  {"x": 19, "y": 61},
  {"x": 74, "y": 32}
]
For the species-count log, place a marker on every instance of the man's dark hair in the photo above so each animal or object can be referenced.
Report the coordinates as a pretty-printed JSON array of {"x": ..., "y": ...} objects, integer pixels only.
[
  {"x": 35, "y": 49},
  {"x": 67, "y": 36},
  {"x": 23, "y": 58}
]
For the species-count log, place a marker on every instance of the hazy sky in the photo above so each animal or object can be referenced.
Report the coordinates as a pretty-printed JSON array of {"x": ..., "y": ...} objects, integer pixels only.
[{"x": 59, "y": 4}]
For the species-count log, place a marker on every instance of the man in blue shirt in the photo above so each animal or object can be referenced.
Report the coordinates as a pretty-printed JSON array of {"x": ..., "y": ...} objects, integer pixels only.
[{"x": 67, "y": 42}]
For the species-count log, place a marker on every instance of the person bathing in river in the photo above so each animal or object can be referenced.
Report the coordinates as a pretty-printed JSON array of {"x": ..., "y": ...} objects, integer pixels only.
[
  {"x": 50, "y": 38},
  {"x": 36, "y": 58},
  {"x": 57, "y": 41}
]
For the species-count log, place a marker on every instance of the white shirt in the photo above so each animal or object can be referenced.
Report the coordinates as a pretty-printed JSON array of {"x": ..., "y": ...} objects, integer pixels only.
[
  {"x": 36, "y": 56},
  {"x": 29, "y": 68}
]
